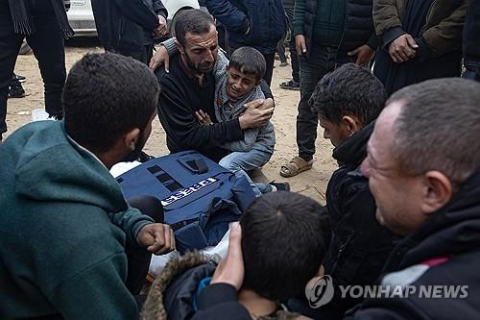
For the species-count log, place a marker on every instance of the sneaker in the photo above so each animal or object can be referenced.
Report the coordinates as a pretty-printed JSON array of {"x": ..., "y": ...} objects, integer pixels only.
[
  {"x": 280, "y": 186},
  {"x": 56, "y": 116},
  {"x": 20, "y": 78},
  {"x": 290, "y": 85},
  {"x": 283, "y": 64},
  {"x": 16, "y": 91},
  {"x": 143, "y": 157}
]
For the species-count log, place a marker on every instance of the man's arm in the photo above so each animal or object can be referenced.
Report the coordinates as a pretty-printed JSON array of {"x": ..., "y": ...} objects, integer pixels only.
[
  {"x": 447, "y": 35},
  {"x": 139, "y": 12},
  {"x": 386, "y": 16},
  {"x": 179, "y": 120},
  {"x": 131, "y": 222},
  {"x": 229, "y": 15}
]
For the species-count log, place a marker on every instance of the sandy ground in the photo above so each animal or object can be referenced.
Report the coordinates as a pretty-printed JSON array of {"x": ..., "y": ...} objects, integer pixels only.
[{"x": 311, "y": 183}]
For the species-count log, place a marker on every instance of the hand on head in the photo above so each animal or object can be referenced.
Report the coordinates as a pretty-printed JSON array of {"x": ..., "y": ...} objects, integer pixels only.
[{"x": 231, "y": 269}]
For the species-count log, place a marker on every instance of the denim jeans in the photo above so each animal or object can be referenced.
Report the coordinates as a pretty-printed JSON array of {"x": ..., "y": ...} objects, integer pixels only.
[
  {"x": 241, "y": 162},
  {"x": 47, "y": 44},
  {"x": 322, "y": 59}
]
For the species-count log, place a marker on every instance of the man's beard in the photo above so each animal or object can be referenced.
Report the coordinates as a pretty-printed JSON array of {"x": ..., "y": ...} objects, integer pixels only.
[
  {"x": 201, "y": 68},
  {"x": 138, "y": 149}
]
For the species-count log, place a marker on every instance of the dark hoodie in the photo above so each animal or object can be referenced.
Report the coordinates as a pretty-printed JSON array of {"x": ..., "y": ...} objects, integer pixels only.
[
  {"x": 176, "y": 293},
  {"x": 63, "y": 226},
  {"x": 359, "y": 244}
]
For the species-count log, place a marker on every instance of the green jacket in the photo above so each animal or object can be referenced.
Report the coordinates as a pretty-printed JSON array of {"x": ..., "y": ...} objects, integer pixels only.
[
  {"x": 64, "y": 223},
  {"x": 442, "y": 32}
]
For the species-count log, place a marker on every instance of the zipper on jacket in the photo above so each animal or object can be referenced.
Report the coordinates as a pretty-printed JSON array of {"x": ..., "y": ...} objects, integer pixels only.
[{"x": 422, "y": 30}]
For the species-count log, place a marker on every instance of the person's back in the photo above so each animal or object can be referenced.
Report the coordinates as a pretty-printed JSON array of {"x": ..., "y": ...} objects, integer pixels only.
[
  {"x": 65, "y": 222},
  {"x": 283, "y": 242}
]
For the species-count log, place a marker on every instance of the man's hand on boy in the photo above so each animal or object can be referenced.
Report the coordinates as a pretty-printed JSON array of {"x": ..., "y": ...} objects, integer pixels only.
[
  {"x": 203, "y": 118},
  {"x": 231, "y": 269},
  {"x": 160, "y": 56},
  {"x": 257, "y": 113},
  {"x": 157, "y": 237}
]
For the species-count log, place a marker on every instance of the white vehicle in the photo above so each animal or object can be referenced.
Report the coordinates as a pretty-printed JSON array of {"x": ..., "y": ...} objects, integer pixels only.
[{"x": 81, "y": 19}]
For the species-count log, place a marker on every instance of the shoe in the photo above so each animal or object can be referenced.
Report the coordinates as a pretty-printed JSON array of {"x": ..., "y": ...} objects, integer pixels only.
[
  {"x": 56, "y": 116},
  {"x": 280, "y": 186},
  {"x": 283, "y": 64},
  {"x": 290, "y": 85},
  {"x": 16, "y": 91},
  {"x": 20, "y": 78},
  {"x": 143, "y": 157}
]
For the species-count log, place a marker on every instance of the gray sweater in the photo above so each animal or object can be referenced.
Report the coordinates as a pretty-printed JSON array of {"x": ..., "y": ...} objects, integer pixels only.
[{"x": 262, "y": 138}]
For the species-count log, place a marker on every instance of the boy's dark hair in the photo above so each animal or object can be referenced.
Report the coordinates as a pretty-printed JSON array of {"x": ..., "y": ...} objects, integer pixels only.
[
  {"x": 106, "y": 95},
  {"x": 248, "y": 60},
  {"x": 193, "y": 20},
  {"x": 284, "y": 240},
  {"x": 349, "y": 90}
]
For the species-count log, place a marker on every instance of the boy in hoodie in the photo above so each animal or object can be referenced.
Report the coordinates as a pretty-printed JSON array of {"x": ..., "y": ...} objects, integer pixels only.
[
  {"x": 283, "y": 238},
  {"x": 347, "y": 102},
  {"x": 68, "y": 235}
]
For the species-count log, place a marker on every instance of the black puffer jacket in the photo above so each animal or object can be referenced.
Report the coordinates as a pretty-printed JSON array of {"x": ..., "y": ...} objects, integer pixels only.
[
  {"x": 471, "y": 41},
  {"x": 254, "y": 23},
  {"x": 174, "y": 292},
  {"x": 443, "y": 251},
  {"x": 359, "y": 245},
  {"x": 358, "y": 29},
  {"x": 122, "y": 23}
]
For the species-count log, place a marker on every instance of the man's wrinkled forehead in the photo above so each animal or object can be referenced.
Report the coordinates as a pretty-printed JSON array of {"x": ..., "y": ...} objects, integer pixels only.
[
  {"x": 204, "y": 40},
  {"x": 383, "y": 138}
]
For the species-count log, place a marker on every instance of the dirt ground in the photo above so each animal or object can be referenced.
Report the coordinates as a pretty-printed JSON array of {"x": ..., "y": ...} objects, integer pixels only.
[{"x": 311, "y": 183}]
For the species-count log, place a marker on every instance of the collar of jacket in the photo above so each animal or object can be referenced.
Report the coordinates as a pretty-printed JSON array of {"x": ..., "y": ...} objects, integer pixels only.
[
  {"x": 353, "y": 150},
  {"x": 453, "y": 229}
]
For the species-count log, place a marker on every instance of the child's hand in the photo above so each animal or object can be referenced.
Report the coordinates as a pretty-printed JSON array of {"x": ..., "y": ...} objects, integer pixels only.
[{"x": 203, "y": 118}]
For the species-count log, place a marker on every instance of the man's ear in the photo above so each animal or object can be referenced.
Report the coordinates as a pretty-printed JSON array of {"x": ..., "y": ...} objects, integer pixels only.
[
  {"x": 130, "y": 139},
  {"x": 181, "y": 49},
  {"x": 438, "y": 190},
  {"x": 351, "y": 124}
]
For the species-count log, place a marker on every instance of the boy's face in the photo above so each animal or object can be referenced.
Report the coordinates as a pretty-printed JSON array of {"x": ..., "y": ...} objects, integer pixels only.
[
  {"x": 336, "y": 133},
  {"x": 239, "y": 83}
]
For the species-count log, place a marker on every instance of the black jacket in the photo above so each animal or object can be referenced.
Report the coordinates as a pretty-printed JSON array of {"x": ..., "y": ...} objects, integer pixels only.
[
  {"x": 181, "y": 96},
  {"x": 174, "y": 293},
  {"x": 471, "y": 42},
  {"x": 451, "y": 237},
  {"x": 265, "y": 20},
  {"x": 123, "y": 23},
  {"x": 359, "y": 245},
  {"x": 358, "y": 29}
]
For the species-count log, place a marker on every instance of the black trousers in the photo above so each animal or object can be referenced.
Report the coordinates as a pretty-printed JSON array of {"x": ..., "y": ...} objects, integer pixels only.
[
  {"x": 139, "y": 257},
  {"x": 293, "y": 50},
  {"x": 48, "y": 47}
]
